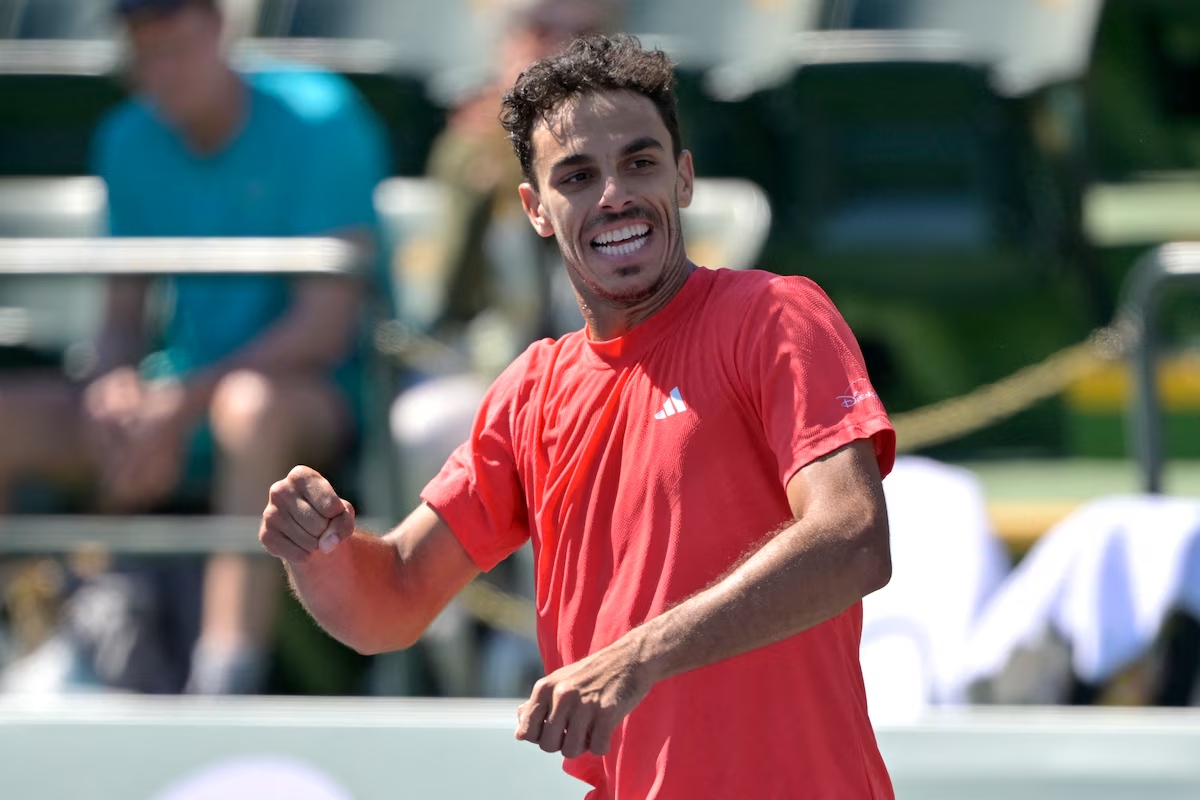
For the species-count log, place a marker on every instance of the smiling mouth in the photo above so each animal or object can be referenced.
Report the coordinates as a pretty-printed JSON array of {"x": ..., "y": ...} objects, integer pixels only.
[{"x": 623, "y": 241}]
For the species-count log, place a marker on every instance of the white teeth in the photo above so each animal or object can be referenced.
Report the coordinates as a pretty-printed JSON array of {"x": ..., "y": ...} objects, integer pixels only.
[
  {"x": 628, "y": 232},
  {"x": 622, "y": 249}
]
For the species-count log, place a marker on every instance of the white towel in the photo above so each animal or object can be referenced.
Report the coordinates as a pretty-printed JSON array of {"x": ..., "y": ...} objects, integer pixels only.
[{"x": 1104, "y": 578}]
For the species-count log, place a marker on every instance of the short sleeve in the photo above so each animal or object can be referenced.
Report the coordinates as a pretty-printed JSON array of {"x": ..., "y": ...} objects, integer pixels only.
[
  {"x": 808, "y": 379},
  {"x": 478, "y": 491},
  {"x": 344, "y": 162}
]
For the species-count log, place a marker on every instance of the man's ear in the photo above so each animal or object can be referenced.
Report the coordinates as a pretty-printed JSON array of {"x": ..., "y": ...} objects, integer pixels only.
[
  {"x": 532, "y": 204},
  {"x": 685, "y": 183}
]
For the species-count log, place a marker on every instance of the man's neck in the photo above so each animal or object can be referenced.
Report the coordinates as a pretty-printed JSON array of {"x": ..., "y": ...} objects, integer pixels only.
[
  {"x": 220, "y": 126},
  {"x": 606, "y": 322}
]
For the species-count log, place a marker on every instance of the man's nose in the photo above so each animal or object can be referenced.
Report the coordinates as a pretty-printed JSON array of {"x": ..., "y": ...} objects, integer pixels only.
[{"x": 615, "y": 197}]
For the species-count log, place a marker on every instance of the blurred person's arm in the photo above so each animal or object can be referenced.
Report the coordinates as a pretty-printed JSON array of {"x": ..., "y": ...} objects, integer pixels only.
[
  {"x": 371, "y": 593},
  {"x": 312, "y": 337},
  {"x": 122, "y": 338}
]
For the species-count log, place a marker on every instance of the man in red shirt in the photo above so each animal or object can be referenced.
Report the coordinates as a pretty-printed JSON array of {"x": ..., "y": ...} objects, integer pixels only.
[{"x": 699, "y": 470}]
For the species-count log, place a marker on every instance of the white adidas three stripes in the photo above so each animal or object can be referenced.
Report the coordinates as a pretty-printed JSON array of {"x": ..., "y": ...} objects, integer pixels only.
[{"x": 674, "y": 405}]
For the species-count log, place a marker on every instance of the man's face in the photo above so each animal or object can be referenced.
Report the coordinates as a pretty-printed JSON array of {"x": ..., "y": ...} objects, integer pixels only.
[
  {"x": 607, "y": 185},
  {"x": 177, "y": 62}
]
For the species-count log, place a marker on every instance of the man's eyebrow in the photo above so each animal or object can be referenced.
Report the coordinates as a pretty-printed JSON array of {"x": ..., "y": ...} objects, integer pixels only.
[
  {"x": 574, "y": 160},
  {"x": 636, "y": 146},
  {"x": 643, "y": 143}
]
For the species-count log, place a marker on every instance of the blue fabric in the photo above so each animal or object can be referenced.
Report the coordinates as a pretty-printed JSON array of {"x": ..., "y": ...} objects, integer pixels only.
[{"x": 305, "y": 163}]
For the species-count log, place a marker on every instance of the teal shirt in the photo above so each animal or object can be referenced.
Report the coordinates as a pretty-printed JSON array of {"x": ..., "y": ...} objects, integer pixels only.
[{"x": 306, "y": 162}]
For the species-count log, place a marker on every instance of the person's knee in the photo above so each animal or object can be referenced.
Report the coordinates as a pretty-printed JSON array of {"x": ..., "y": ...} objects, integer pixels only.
[
  {"x": 263, "y": 418},
  {"x": 243, "y": 411}
]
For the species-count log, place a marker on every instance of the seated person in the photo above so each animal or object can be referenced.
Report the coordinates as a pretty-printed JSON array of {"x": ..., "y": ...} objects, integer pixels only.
[{"x": 255, "y": 372}]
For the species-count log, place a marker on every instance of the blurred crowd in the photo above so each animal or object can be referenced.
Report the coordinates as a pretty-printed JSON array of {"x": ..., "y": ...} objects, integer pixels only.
[{"x": 202, "y": 390}]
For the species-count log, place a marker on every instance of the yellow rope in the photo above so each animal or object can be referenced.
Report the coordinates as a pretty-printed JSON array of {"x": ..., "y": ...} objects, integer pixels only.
[
  {"x": 499, "y": 609},
  {"x": 953, "y": 418}
]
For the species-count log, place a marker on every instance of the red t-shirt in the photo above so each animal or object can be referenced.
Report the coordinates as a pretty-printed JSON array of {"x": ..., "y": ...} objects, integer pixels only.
[{"x": 643, "y": 467}]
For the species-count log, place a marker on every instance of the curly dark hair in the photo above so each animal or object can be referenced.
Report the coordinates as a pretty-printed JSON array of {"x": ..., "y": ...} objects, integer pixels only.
[{"x": 592, "y": 63}]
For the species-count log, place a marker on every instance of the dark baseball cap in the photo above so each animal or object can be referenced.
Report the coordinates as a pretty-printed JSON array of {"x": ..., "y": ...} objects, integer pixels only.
[{"x": 127, "y": 8}]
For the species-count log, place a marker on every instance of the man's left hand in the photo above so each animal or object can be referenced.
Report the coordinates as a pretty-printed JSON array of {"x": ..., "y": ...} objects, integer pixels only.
[{"x": 577, "y": 708}]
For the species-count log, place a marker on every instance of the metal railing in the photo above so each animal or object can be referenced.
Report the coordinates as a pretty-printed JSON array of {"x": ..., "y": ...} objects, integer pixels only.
[
  {"x": 1163, "y": 269},
  {"x": 175, "y": 256}
]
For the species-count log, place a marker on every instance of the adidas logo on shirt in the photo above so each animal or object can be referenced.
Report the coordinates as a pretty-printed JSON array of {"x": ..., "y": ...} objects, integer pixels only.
[{"x": 674, "y": 405}]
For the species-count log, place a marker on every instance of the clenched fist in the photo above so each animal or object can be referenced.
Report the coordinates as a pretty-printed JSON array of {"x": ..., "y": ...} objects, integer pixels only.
[
  {"x": 577, "y": 708},
  {"x": 304, "y": 515}
]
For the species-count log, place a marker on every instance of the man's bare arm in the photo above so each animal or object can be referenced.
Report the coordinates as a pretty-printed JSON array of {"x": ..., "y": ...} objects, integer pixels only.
[
  {"x": 121, "y": 341},
  {"x": 371, "y": 593},
  {"x": 833, "y": 554}
]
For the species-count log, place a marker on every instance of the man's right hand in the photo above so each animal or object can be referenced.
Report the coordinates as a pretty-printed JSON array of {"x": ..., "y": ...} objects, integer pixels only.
[{"x": 304, "y": 515}]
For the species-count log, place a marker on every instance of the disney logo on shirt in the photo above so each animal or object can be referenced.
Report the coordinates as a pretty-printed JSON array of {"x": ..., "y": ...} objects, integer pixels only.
[{"x": 857, "y": 392}]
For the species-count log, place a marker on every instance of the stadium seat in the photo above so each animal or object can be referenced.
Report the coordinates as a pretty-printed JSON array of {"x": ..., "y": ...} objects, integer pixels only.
[
  {"x": 908, "y": 176},
  {"x": 727, "y": 223},
  {"x": 914, "y": 192},
  {"x": 47, "y": 316},
  {"x": 52, "y": 93},
  {"x": 1030, "y": 43},
  {"x": 449, "y": 42},
  {"x": 705, "y": 38},
  {"x": 409, "y": 210},
  {"x": 56, "y": 19},
  {"x": 706, "y": 34},
  {"x": 1143, "y": 111}
]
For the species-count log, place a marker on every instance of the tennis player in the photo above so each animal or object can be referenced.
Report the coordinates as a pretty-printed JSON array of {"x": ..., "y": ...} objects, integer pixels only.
[{"x": 698, "y": 468}]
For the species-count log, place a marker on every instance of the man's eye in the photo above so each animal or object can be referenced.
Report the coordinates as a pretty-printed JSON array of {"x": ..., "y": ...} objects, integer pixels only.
[
  {"x": 642, "y": 163},
  {"x": 575, "y": 177}
]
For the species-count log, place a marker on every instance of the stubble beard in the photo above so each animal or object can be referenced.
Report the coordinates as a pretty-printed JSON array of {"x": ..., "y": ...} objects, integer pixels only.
[{"x": 635, "y": 297}]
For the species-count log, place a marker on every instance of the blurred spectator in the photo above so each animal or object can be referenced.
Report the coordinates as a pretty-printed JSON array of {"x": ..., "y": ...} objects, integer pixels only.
[
  {"x": 473, "y": 159},
  {"x": 253, "y": 373},
  {"x": 496, "y": 275}
]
